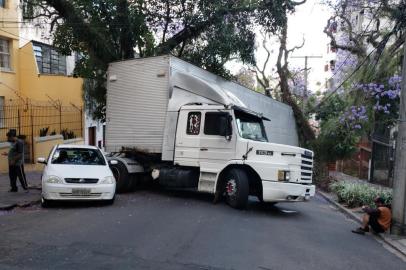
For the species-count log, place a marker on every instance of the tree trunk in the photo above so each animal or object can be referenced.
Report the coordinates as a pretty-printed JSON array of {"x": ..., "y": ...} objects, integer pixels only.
[{"x": 306, "y": 133}]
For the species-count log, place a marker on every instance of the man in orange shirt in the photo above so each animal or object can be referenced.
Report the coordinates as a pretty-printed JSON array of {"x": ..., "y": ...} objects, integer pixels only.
[{"x": 378, "y": 218}]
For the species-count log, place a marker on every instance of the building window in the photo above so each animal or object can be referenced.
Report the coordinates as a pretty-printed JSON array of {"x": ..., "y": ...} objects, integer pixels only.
[
  {"x": 332, "y": 65},
  {"x": 2, "y": 120},
  {"x": 5, "y": 54},
  {"x": 193, "y": 123},
  {"x": 49, "y": 61},
  {"x": 2, "y": 3}
]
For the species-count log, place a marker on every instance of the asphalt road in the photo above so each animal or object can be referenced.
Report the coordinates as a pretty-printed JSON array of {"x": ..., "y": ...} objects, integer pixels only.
[{"x": 159, "y": 230}]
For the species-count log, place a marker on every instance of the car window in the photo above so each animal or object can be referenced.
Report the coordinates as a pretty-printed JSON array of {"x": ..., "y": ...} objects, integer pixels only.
[{"x": 78, "y": 156}]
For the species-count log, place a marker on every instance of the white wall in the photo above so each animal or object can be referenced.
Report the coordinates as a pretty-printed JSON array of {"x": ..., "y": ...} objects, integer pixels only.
[{"x": 89, "y": 122}]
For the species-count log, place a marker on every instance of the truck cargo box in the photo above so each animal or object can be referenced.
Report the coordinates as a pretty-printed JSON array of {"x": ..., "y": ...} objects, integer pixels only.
[{"x": 139, "y": 114}]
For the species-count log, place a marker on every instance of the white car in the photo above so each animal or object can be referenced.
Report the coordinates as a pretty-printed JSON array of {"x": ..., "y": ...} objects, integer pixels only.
[{"x": 76, "y": 172}]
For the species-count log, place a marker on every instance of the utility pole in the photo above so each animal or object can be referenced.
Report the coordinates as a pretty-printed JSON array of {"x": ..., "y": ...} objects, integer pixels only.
[
  {"x": 399, "y": 181},
  {"x": 306, "y": 57}
]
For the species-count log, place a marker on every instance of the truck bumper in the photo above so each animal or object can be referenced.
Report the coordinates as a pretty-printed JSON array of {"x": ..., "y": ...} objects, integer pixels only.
[{"x": 286, "y": 192}]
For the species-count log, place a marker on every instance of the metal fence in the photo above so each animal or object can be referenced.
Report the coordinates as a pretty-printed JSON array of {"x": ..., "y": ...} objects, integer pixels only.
[{"x": 39, "y": 120}]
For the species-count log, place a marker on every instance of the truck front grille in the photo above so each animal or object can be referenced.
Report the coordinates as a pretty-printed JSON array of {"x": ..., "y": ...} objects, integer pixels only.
[{"x": 307, "y": 167}]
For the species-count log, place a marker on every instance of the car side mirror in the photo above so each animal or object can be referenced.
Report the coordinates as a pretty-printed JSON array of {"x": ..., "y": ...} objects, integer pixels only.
[
  {"x": 42, "y": 160},
  {"x": 113, "y": 162}
]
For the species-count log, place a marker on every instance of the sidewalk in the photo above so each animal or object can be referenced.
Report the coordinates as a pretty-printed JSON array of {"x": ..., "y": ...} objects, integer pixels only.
[
  {"x": 398, "y": 243},
  {"x": 9, "y": 200}
]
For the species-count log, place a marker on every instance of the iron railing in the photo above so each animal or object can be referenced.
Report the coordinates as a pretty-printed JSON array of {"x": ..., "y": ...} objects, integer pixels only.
[{"x": 39, "y": 120}]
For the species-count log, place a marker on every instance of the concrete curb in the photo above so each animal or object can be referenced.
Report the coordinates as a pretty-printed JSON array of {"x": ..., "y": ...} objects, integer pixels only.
[
  {"x": 9, "y": 207},
  {"x": 354, "y": 217},
  {"x": 35, "y": 187}
]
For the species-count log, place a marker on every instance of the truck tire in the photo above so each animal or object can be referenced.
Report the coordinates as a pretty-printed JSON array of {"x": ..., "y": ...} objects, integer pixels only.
[
  {"x": 133, "y": 183},
  {"x": 236, "y": 188},
  {"x": 122, "y": 176}
]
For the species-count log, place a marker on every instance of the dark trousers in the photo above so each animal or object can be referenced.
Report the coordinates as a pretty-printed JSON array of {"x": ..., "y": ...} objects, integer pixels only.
[{"x": 15, "y": 171}]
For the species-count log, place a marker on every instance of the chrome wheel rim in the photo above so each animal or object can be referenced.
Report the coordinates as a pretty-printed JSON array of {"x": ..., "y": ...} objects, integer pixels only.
[{"x": 231, "y": 188}]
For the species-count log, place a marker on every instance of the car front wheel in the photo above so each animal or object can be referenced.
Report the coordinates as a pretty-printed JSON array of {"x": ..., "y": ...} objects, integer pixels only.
[{"x": 45, "y": 203}]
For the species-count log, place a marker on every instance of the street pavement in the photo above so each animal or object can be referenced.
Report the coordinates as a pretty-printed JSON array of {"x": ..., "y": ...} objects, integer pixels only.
[
  {"x": 9, "y": 200},
  {"x": 175, "y": 230}
]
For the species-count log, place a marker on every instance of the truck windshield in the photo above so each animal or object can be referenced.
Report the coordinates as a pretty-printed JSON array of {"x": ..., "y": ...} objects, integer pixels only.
[{"x": 250, "y": 127}]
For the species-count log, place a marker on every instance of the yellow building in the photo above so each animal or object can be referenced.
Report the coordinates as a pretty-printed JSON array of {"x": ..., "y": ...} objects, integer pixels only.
[
  {"x": 37, "y": 97},
  {"x": 9, "y": 60}
]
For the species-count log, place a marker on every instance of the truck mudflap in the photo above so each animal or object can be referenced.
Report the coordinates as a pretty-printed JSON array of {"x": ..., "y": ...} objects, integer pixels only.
[{"x": 286, "y": 192}]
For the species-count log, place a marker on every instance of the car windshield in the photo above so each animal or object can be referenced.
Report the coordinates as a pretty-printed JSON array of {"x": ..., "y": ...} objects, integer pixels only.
[
  {"x": 250, "y": 127},
  {"x": 78, "y": 156}
]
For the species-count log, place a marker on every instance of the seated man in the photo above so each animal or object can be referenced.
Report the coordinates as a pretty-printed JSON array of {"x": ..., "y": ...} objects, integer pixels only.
[{"x": 378, "y": 218}]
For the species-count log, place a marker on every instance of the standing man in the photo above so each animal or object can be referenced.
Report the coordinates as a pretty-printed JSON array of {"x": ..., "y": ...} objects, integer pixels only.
[{"x": 16, "y": 161}]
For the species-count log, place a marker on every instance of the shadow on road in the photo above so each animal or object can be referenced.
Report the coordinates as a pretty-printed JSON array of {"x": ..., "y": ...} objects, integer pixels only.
[
  {"x": 285, "y": 210},
  {"x": 254, "y": 205}
]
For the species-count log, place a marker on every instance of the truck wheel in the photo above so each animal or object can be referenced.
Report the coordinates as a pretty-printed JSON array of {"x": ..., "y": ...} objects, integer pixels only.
[
  {"x": 236, "y": 188},
  {"x": 121, "y": 175},
  {"x": 133, "y": 183}
]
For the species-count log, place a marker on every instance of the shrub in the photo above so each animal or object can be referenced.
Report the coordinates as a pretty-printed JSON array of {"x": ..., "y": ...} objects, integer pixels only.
[
  {"x": 357, "y": 194},
  {"x": 68, "y": 134},
  {"x": 43, "y": 132}
]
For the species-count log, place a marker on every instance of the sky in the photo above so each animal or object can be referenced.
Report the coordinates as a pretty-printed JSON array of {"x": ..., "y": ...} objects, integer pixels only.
[{"x": 307, "y": 22}]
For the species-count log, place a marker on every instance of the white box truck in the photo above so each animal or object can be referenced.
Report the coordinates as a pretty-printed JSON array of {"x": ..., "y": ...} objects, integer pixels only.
[{"x": 183, "y": 127}]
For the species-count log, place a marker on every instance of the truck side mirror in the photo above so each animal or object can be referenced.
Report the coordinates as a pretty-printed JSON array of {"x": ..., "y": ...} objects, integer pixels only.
[{"x": 226, "y": 129}]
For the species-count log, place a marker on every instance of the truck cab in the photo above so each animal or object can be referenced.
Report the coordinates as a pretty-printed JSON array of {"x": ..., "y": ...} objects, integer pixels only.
[{"x": 230, "y": 147}]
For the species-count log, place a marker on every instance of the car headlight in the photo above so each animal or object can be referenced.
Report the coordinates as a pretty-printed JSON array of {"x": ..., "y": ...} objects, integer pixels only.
[
  {"x": 108, "y": 180},
  {"x": 54, "y": 180}
]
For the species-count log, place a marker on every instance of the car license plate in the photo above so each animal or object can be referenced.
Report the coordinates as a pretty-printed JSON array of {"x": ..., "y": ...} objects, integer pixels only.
[{"x": 80, "y": 191}]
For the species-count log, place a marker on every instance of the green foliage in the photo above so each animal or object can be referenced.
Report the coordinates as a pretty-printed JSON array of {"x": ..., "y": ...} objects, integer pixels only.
[
  {"x": 333, "y": 108},
  {"x": 245, "y": 78},
  {"x": 377, "y": 70},
  {"x": 335, "y": 141},
  {"x": 358, "y": 194},
  {"x": 68, "y": 134},
  {"x": 204, "y": 32}
]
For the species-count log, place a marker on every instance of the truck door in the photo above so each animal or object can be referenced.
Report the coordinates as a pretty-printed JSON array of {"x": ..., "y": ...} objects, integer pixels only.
[
  {"x": 215, "y": 148},
  {"x": 199, "y": 142}
]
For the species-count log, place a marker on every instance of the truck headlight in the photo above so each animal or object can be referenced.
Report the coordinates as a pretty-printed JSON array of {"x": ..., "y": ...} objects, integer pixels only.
[
  {"x": 283, "y": 175},
  {"x": 108, "y": 180},
  {"x": 54, "y": 180}
]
